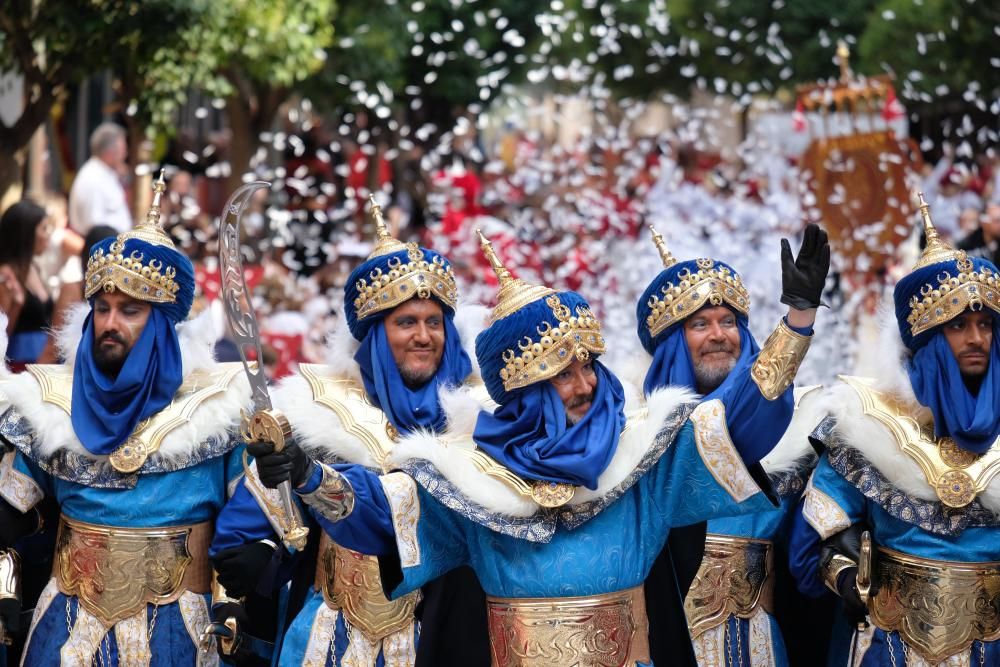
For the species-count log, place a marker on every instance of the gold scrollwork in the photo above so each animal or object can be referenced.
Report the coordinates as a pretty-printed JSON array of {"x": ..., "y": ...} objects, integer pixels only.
[{"x": 779, "y": 360}]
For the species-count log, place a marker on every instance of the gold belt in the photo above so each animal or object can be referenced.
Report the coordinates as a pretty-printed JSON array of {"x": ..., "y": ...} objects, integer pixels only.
[
  {"x": 734, "y": 579},
  {"x": 608, "y": 630},
  {"x": 938, "y": 607},
  {"x": 351, "y": 583},
  {"x": 114, "y": 572}
]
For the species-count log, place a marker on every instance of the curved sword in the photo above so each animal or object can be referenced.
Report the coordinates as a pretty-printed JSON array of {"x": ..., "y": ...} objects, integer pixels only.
[{"x": 265, "y": 424}]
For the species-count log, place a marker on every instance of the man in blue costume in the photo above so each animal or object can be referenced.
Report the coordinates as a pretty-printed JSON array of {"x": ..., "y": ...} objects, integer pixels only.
[
  {"x": 383, "y": 382},
  {"x": 556, "y": 500},
  {"x": 134, "y": 438},
  {"x": 912, "y": 457},
  {"x": 708, "y": 346}
]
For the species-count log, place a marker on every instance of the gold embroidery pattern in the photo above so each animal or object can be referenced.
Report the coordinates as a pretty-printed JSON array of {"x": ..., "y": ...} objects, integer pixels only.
[
  {"x": 320, "y": 637},
  {"x": 84, "y": 640},
  {"x": 718, "y": 452},
  {"x": 361, "y": 650},
  {"x": 194, "y": 613},
  {"x": 400, "y": 648},
  {"x": 823, "y": 513},
  {"x": 761, "y": 642},
  {"x": 710, "y": 647},
  {"x": 864, "y": 642},
  {"x": 16, "y": 488},
  {"x": 938, "y": 607},
  {"x": 42, "y": 606},
  {"x": 269, "y": 500},
  {"x": 132, "y": 640},
  {"x": 401, "y": 491},
  {"x": 778, "y": 361}
]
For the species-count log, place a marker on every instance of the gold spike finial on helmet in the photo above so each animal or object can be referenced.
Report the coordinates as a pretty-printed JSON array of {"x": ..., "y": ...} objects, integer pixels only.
[
  {"x": 151, "y": 229},
  {"x": 936, "y": 249},
  {"x": 384, "y": 243},
  {"x": 661, "y": 246},
  {"x": 514, "y": 293}
]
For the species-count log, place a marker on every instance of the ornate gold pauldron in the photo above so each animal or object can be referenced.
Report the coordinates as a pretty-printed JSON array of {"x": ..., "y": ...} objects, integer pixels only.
[
  {"x": 608, "y": 630},
  {"x": 116, "y": 572},
  {"x": 734, "y": 579},
  {"x": 351, "y": 583},
  {"x": 938, "y": 607},
  {"x": 56, "y": 383},
  {"x": 576, "y": 337},
  {"x": 778, "y": 361},
  {"x": 418, "y": 277},
  {"x": 957, "y": 475},
  {"x": 716, "y": 286},
  {"x": 953, "y": 295}
]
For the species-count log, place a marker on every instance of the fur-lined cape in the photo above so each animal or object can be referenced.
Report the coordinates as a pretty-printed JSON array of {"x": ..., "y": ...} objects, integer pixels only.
[{"x": 46, "y": 433}]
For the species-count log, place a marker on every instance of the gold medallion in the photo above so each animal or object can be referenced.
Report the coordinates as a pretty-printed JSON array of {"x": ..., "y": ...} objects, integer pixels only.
[
  {"x": 953, "y": 455},
  {"x": 955, "y": 489},
  {"x": 552, "y": 494},
  {"x": 129, "y": 456}
]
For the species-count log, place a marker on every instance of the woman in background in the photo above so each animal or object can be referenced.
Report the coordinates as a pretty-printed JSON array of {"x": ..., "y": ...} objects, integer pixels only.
[{"x": 24, "y": 297}]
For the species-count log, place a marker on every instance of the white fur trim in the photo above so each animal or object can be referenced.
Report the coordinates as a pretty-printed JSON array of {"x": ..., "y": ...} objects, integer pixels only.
[
  {"x": 793, "y": 452},
  {"x": 317, "y": 428},
  {"x": 340, "y": 350},
  {"x": 214, "y": 418},
  {"x": 497, "y": 496},
  {"x": 470, "y": 320},
  {"x": 69, "y": 334}
]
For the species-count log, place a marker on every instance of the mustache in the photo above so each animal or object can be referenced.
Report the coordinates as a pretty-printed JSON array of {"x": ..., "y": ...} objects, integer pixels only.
[
  {"x": 718, "y": 347},
  {"x": 112, "y": 336},
  {"x": 581, "y": 400}
]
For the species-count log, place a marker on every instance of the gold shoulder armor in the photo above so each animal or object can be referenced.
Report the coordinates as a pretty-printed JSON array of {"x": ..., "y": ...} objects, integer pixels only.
[
  {"x": 957, "y": 475},
  {"x": 779, "y": 360}
]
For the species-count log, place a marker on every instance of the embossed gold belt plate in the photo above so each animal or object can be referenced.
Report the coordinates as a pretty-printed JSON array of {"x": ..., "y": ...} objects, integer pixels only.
[
  {"x": 938, "y": 607},
  {"x": 115, "y": 572},
  {"x": 734, "y": 579},
  {"x": 608, "y": 630},
  {"x": 350, "y": 582}
]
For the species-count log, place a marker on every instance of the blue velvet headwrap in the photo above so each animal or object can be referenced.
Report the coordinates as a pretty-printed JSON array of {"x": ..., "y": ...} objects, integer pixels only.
[
  {"x": 672, "y": 363},
  {"x": 105, "y": 411},
  {"x": 409, "y": 409},
  {"x": 359, "y": 328},
  {"x": 669, "y": 275},
  {"x": 528, "y": 433},
  {"x": 972, "y": 421}
]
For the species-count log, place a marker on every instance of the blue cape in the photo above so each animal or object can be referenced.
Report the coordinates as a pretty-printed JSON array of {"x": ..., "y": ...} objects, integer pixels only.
[
  {"x": 529, "y": 434},
  {"x": 105, "y": 411},
  {"x": 409, "y": 409}
]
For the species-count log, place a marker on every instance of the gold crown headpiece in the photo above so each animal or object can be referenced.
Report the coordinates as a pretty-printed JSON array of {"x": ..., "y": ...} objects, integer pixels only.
[
  {"x": 147, "y": 281},
  {"x": 575, "y": 337},
  {"x": 418, "y": 277},
  {"x": 952, "y": 295},
  {"x": 715, "y": 286}
]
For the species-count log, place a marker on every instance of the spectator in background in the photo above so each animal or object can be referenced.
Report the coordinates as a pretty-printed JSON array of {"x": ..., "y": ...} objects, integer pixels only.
[
  {"x": 25, "y": 231},
  {"x": 97, "y": 196},
  {"x": 985, "y": 241}
]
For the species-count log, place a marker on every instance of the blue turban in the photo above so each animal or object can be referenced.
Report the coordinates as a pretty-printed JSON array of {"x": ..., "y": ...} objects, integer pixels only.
[
  {"x": 105, "y": 411},
  {"x": 529, "y": 433},
  {"x": 392, "y": 279},
  {"x": 972, "y": 421}
]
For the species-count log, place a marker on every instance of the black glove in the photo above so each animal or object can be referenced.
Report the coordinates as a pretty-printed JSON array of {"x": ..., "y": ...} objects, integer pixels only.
[
  {"x": 290, "y": 463},
  {"x": 803, "y": 278},
  {"x": 218, "y": 629},
  {"x": 240, "y": 568},
  {"x": 847, "y": 543}
]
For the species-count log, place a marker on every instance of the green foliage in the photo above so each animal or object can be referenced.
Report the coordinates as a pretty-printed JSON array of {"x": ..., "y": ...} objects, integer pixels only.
[{"x": 936, "y": 48}]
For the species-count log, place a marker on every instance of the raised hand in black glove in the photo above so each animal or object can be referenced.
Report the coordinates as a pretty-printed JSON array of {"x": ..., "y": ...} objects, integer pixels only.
[
  {"x": 239, "y": 569},
  {"x": 228, "y": 642},
  {"x": 847, "y": 543},
  {"x": 273, "y": 467},
  {"x": 803, "y": 277}
]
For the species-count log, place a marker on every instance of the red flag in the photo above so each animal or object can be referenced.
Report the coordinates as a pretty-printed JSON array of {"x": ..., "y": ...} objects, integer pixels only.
[
  {"x": 892, "y": 110},
  {"x": 799, "y": 117}
]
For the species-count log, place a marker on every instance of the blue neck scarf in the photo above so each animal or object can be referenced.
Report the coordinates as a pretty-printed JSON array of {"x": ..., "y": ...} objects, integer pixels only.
[
  {"x": 972, "y": 421},
  {"x": 105, "y": 411},
  {"x": 410, "y": 409},
  {"x": 529, "y": 433},
  {"x": 672, "y": 363}
]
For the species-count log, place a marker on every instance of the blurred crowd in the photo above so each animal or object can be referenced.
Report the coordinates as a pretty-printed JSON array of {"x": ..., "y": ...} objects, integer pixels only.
[{"x": 573, "y": 216}]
